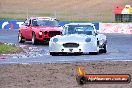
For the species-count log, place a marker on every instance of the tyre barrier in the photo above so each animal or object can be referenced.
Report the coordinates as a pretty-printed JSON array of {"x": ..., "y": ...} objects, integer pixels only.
[{"x": 123, "y": 14}]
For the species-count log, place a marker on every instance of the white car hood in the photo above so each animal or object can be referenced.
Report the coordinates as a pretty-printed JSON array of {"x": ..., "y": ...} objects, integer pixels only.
[{"x": 72, "y": 38}]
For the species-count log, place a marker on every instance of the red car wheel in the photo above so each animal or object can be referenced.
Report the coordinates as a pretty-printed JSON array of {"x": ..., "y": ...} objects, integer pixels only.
[
  {"x": 34, "y": 40},
  {"x": 20, "y": 38}
]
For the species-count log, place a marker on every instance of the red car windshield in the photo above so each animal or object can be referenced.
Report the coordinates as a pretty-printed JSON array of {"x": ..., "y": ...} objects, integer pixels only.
[{"x": 45, "y": 23}]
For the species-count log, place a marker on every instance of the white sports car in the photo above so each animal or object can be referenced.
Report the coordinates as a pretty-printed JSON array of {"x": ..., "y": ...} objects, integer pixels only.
[{"x": 78, "y": 38}]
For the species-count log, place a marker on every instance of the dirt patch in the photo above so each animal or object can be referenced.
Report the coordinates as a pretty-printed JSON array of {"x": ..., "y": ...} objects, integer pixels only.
[{"x": 59, "y": 75}]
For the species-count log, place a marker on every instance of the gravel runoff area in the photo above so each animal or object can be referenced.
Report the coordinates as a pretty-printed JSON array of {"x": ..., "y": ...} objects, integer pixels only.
[{"x": 59, "y": 75}]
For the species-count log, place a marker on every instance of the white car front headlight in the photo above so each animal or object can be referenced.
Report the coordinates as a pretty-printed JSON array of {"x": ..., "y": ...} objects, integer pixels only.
[
  {"x": 55, "y": 40},
  {"x": 40, "y": 33},
  {"x": 87, "y": 39}
]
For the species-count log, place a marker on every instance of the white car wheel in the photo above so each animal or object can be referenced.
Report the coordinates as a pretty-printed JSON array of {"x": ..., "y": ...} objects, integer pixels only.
[{"x": 104, "y": 50}]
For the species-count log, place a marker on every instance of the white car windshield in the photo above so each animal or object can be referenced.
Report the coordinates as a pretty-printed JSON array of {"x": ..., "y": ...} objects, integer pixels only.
[
  {"x": 45, "y": 23},
  {"x": 79, "y": 29}
]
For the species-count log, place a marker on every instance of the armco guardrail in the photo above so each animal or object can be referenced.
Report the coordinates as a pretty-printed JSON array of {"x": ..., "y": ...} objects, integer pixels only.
[
  {"x": 125, "y": 28},
  {"x": 15, "y": 24}
]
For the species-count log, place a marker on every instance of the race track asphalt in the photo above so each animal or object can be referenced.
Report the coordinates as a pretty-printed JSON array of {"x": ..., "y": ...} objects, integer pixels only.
[{"x": 119, "y": 49}]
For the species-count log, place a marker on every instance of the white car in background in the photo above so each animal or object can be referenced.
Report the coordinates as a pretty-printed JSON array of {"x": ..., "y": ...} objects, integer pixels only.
[{"x": 78, "y": 38}]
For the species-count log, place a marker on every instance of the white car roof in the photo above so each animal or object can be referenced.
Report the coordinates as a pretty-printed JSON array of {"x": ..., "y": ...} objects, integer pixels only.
[{"x": 80, "y": 24}]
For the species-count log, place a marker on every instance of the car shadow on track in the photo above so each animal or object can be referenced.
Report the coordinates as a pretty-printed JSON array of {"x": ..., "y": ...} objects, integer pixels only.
[
  {"x": 39, "y": 44},
  {"x": 81, "y": 54}
]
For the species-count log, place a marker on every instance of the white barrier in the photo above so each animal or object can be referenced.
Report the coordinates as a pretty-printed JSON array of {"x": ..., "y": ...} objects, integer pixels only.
[{"x": 125, "y": 28}]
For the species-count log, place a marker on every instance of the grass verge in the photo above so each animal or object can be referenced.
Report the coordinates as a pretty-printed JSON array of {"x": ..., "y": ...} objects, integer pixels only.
[
  {"x": 11, "y": 18},
  {"x": 9, "y": 49}
]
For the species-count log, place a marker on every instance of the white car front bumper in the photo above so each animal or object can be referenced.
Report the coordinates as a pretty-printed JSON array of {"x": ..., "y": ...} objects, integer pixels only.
[{"x": 83, "y": 47}]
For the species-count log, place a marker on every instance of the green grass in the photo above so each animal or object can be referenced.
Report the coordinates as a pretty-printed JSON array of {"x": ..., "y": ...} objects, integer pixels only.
[
  {"x": 9, "y": 49},
  {"x": 61, "y": 19},
  {"x": 10, "y": 18}
]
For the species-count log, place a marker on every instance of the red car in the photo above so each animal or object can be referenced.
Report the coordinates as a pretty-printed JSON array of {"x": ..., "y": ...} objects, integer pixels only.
[{"x": 37, "y": 29}]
